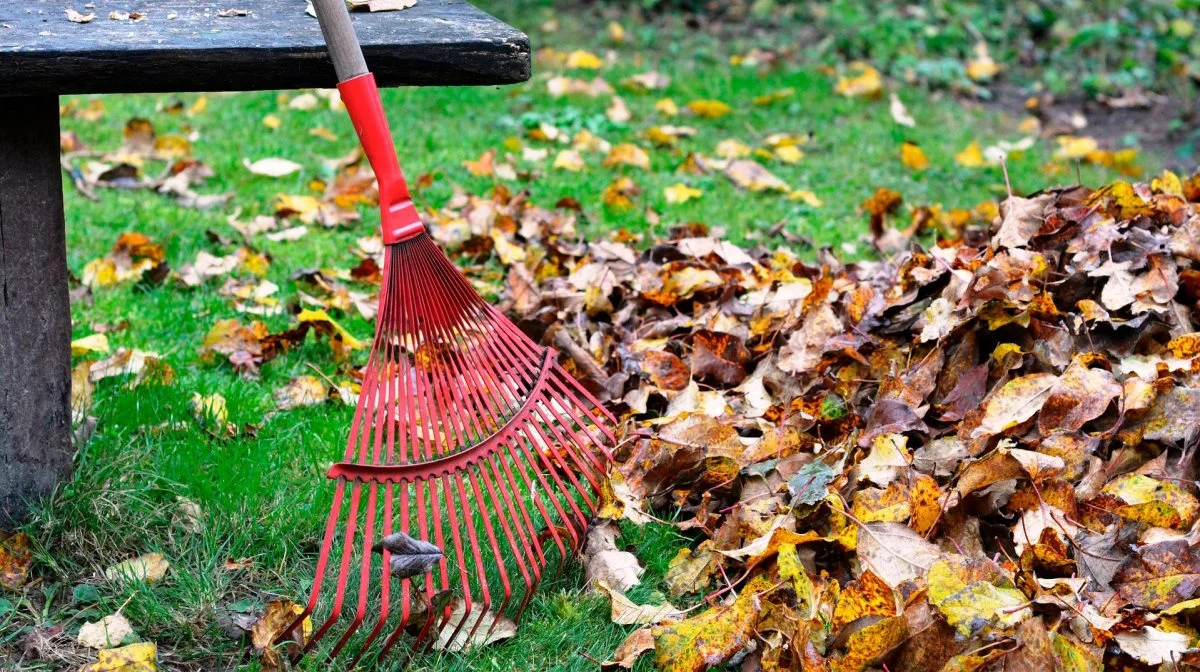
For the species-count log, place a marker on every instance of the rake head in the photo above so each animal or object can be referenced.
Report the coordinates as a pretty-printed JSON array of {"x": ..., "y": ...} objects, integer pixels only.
[{"x": 467, "y": 436}]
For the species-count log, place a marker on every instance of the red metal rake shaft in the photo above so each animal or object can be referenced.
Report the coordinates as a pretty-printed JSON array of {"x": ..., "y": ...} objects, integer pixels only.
[{"x": 467, "y": 435}]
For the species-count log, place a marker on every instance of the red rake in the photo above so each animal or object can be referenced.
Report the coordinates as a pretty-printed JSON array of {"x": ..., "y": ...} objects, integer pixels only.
[{"x": 467, "y": 436}]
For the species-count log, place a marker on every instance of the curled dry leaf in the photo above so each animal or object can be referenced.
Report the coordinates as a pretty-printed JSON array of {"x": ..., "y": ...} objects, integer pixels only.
[
  {"x": 149, "y": 568},
  {"x": 408, "y": 556},
  {"x": 627, "y": 612},
  {"x": 602, "y": 561}
]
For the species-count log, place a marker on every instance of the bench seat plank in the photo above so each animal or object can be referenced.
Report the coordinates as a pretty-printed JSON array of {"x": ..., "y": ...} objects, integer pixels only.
[{"x": 276, "y": 46}]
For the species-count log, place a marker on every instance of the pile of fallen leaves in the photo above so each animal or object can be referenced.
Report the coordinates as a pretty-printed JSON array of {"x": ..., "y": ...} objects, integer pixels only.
[{"x": 978, "y": 454}]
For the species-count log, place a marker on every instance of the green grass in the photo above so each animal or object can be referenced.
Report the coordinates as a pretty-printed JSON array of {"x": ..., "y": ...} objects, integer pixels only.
[{"x": 263, "y": 493}]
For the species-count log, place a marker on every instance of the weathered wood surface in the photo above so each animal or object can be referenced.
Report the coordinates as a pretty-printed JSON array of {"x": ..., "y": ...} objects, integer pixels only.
[
  {"x": 184, "y": 45},
  {"x": 35, "y": 317}
]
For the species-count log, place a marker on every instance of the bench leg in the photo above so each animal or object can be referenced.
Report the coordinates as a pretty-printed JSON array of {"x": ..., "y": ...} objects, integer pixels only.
[{"x": 35, "y": 315}]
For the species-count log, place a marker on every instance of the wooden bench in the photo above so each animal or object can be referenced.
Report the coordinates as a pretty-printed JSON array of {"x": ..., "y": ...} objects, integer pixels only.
[{"x": 178, "y": 45}]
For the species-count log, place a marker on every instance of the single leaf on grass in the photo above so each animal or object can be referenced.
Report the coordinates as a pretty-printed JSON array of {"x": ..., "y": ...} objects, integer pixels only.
[
  {"x": 602, "y": 561},
  {"x": 971, "y": 156},
  {"x": 409, "y": 557},
  {"x": 711, "y": 638},
  {"x": 681, "y": 193},
  {"x": 862, "y": 80},
  {"x": 708, "y": 109},
  {"x": 479, "y": 627},
  {"x": 301, "y": 391},
  {"x": 628, "y": 154},
  {"x": 95, "y": 343},
  {"x": 584, "y": 60},
  {"x": 900, "y": 113},
  {"x": 753, "y": 176},
  {"x": 108, "y": 632},
  {"x": 1160, "y": 575},
  {"x": 627, "y": 612},
  {"x": 913, "y": 157},
  {"x": 150, "y": 568},
  {"x": 569, "y": 160},
  {"x": 321, "y": 319},
  {"x": 16, "y": 558},
  {"x": 277, "y": 616},
  {"x": 140, "y": 657},
  {"x": 638, "y": 642},
  {"x": 895, "y": 552},
  {"x": 272, "y": 167}
]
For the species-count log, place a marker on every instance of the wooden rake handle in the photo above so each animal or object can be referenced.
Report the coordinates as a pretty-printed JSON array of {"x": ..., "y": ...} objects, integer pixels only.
[{"x": 347, "y": 56}]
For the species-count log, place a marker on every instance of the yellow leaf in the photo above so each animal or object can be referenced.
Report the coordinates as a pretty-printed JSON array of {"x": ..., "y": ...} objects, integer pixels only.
[
  {"x": 868, "y": 645},
  {"x": 971, "y": 156},
  {"x": 864, "y": 81},
  {"x": 320, "y": 316},
  {"x": 709, "y": 109},
  {"x": 584, "y": 60},
  {"x": 151, "y": 568},
  {"x": 681, "y": 193},
  {"x": 982, "y": 67},
  {"x": 711, "y": 638},
  {"x": 805, "y": 196},
  {"x": 868, "y": 595},
  {"x": 774, "y": 97},
  {"x": 616, "y": 32},
  {"x": 790, "y": 568},
  {"x": 271, "y": 121},
  {"x": 620, "y": 193},
  {"x": 1072, "y": 147},
  {"x": 95, "y": 343},
  {"x": 1153, "y": 502},
  {"x": 199, "y": 106},
  {"x": 210, "y": 408},
  {"x": 140, "y": 657},
  {"x": 1168, "y": 183},
  {"x": 913, "y": 156},
  {"x": 666, "y": 107},
  {"x": 303, "y": 207},
  {"x": 732, "y": 149},
  {"x": 789, "y": 153},
  {"x": 627, "y": 154},
  {"x": 570, "y": 160}
]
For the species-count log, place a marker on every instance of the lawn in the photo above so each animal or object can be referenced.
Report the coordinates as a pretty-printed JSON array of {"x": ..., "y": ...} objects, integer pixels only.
[{"x": 262, "y": 493}]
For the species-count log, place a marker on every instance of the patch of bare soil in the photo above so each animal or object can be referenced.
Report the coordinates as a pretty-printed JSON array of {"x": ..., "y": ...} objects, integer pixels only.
[{"x": 1164, "y": 127}]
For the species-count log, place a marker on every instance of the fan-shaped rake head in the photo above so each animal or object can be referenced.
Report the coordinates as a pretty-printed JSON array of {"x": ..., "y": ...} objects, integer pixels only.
[{"x": 466, "y": 436}]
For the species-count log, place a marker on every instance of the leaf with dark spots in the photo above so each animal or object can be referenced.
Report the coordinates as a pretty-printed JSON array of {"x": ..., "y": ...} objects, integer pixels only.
[
  {"x": 1160, "y": 575},
  {"x": 719, "y": 358},
  {"x": 409, "y": 557},
  {"x": 666, "y": 371}
]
